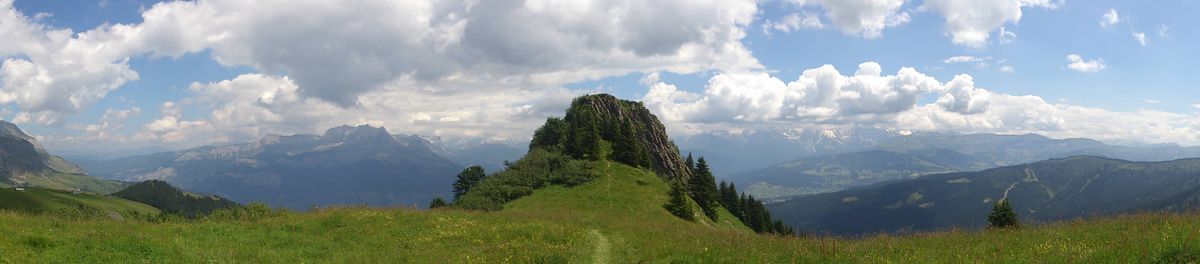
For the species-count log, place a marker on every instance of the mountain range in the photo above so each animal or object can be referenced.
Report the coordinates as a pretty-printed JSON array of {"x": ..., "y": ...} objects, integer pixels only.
[
  {"x": 487, "y": 153},
  {"x": 836, "y": 172},
  {"x": 922, "y": 153},
  {"x": 751, "y": 149},
  {"x": 344, "y": 166},
  {"x": 1056, "y": 189}
]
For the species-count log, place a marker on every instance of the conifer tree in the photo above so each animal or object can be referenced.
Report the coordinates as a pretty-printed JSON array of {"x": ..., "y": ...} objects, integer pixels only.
[
  {"x": 1003, "y": 216},
  {"x": 704, "y": 189},
  {"x": 729, "y": 197},
  {"x": 754, "y": 217},
  {"x": 551, "y": 136},
  {"x": 691, "y": 164},
  {"x": 721, "y": 189},
  {"x": 778, "y": 228},
  {"x": 467, "y": 179},
  {"x": 583, "y": 134},
  {"x": 628, "y": 149},
  {"x": 741, "y": 205},
  {"x": 640, "y": 153},
  {"x": 677, "y": 203}
]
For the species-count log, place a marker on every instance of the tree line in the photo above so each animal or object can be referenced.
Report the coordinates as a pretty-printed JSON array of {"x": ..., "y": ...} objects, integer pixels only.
[{"x": 708, "y": 195}]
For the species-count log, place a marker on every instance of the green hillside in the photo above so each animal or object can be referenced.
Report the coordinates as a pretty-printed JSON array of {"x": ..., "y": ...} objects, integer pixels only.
[
  {"x": 39, "y": 200},
  {"x": 172, "y": 200},
  {"x": 70, "y": 181},
  {"x": 837, "y": 172},
  {"x": 1051, "y": 190},
  {"x": 616, "y": 218}
]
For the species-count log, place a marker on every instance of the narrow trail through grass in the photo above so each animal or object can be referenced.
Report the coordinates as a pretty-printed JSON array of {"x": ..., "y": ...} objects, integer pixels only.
[{"x": 601, "y": 253}]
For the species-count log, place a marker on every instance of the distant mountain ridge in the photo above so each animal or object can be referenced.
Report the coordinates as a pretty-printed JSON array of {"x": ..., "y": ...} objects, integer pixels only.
[
  {"x": 1049, "y": 190},
  {"x": 751, "y": 149},
  {"x": 836, "y": 172},
  {"x": 758, "y": 148},
  {"x": 912, "y": 154},
  {"x": 488, "y": 153},
  {"x": 344, "y": 166}
]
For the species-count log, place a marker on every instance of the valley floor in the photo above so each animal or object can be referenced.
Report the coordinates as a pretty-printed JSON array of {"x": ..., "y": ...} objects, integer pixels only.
[{"x": 615, "y": 219}]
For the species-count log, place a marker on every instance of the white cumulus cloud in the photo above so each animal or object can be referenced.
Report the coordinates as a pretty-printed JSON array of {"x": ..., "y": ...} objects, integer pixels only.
[
  {"x": 971, "y": 22},
  {"x": 52, "y": 73},
  {"x": 793, "y": 22},
  {"x": 1077, "y": 63},
  {"x": 1110, "y": 18},
  {"x": 824, "y": 97},
  {"x": 863, "y": 18},
  {"x": 821, "y": 95},
  {"x": 1140, "y": 37},
  {"x": 964, "y": 59}
]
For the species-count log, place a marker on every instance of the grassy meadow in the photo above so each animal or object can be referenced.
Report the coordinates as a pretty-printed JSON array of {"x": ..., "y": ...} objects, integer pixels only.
[
  {"x": 39, "y": 200},
  {"x": 617, "y": 218},
  {"x": 70, "y": 181}
]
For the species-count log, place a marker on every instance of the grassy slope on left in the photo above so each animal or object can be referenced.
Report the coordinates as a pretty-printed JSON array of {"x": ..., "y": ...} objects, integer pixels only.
[
  {"x": 46, "y": 200},
  {"x": 70, "y": 181},
  {"x": 616, "y": 218}
]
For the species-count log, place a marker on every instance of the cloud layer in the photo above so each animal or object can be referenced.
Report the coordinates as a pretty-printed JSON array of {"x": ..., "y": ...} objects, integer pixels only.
[
  {"x": 452, "y": 67},
  {"x": 52, "y": 73},
  {"x": 337, "y": 52},
  {"x": 497, "y": 68},
  {"x": 824, "y": 97}
]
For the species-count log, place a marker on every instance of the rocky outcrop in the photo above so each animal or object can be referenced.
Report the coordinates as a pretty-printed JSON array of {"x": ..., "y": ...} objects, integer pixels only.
[{"x": 664, "y": 155}]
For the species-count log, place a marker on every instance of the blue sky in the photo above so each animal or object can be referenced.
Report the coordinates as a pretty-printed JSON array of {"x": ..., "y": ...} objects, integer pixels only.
[{"x": 486, "y": 71}]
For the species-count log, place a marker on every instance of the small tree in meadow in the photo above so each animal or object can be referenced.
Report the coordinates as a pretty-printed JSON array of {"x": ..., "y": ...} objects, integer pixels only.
[
  {"x": 437, "y": 202},
  {"x": 1003, "y": 216},
  {"x": 677, "y": 204}
]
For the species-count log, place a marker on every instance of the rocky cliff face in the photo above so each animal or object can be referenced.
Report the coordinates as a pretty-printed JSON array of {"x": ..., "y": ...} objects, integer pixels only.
[{"x": 664, "y": 155}]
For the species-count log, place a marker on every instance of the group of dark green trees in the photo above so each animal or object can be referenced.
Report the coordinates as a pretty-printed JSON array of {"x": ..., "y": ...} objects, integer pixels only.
[
  {"x": 703, "y": 186},
  {"x": 173, "y": 201},
  {"x": 466, "y": 180},
  {"x": 475, "y": 189},
  {"x": 751, "y": 211},
  {"x": 582, "y": 134},
  {"x": 677, "y": 202},
  {"x": 708, "y": 195}
]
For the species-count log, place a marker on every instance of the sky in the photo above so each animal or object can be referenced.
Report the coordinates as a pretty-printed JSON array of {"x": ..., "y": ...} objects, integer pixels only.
[{"x": 96, "y": 76}]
